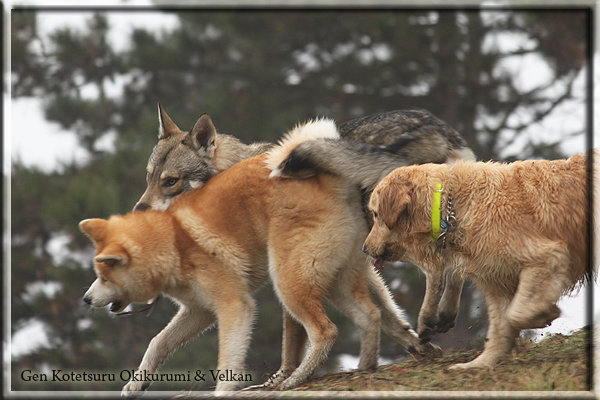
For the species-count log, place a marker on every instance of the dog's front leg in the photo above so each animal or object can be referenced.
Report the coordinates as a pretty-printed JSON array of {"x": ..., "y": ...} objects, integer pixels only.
[
  {"x": 450, "y": 303},
  {"x": 428, "y": 316},
  {"x": 185, "y": 325},
  {"x": 235, "y": 316}
]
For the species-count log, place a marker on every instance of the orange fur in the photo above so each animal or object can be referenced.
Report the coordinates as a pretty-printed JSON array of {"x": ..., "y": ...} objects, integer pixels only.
[{"x": 216, "y": 245}]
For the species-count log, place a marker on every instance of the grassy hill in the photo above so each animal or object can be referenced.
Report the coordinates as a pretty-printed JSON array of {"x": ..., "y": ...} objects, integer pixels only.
[{"x": 557, "y": 363}]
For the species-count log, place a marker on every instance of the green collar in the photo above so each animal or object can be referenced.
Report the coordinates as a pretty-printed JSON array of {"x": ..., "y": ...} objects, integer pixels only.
[
  {"x": 441, "y": 227},
  {"x": 436, "y": 211}
]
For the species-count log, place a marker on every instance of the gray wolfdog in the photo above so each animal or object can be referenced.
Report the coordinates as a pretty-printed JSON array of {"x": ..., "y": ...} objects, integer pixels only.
[
  {"x": 216, "y": 245},
  {"x": 182, "y": 161}
]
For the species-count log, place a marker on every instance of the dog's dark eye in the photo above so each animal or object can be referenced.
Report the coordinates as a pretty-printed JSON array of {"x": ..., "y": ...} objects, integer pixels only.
[
  {"x": 375, "y": 215},
  {"x": 170, "y": 182},
  {"x": 103, "y": 279}
]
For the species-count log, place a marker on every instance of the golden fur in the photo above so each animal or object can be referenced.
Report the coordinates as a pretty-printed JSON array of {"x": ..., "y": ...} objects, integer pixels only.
[
  {"x": 216, "y": 245},
  {"x": 521, "y": 234}
]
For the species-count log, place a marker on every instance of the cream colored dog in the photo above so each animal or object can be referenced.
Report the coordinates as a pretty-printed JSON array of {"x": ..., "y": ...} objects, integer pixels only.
[{"x": 519, "y": 231}]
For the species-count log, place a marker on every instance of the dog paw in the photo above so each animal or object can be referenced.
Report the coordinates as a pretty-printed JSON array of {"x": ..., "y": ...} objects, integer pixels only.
[
  {"x": 475, "y": 364},
  {"x": 446, "y": 322},
  {"x": 463, "y": 367},
  {"x": 134, "y": 390},
  {"x": 268, "y": 385},
  {"x": 272, "y": 383},
  {"x": 430, "y": 322},
  {"x": 425, "y": 350},
  {"x": 459, "y": 367},
  {"x": 430, "y": 350},
  {"x": 261, "y": 386},
  {"x": 427, "y": 326},
  {"x": 425, "y": 334}
]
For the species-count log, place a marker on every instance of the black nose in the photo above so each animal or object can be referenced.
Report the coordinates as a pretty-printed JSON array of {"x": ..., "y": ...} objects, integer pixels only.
[
  {"x": 141, "y": 207},
  {"x": 87, "y": 300}
]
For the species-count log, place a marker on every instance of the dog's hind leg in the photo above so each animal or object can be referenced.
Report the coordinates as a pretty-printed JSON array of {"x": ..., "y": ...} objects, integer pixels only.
[
  {"x": 294, "y": 343},
  {"x": 321, "y": 336},
  {"x": 303, "y": 300},
  {"x": 292, "y": 352},
  {"x": 351, "y": 296},
  {"x": 184, "y": 326},
  {"x": 541, "y": 284},
  {"x": 501, "y": 336},
  {"x": 392, "y": 319}
]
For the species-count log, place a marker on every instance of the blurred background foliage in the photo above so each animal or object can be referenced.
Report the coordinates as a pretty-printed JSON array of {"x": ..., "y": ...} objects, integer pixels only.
[{"x": 257, "y": 73}]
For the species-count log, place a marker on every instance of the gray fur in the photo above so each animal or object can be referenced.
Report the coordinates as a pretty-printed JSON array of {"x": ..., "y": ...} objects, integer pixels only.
[
  {"x": 387, "y": 127},
  {"x": 419, "y": 138},
  {"x": 191, "y": 159}
]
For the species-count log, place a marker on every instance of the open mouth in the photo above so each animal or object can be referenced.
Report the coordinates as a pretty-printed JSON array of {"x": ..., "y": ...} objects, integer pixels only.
[
  {"x": 378, "y": 262},
  {"x": 116, "y": 306},
  {"x": 386, "y": 256}
]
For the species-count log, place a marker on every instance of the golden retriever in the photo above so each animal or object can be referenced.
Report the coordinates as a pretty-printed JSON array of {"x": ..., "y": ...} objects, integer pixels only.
[{"x": 520, "y": 231}]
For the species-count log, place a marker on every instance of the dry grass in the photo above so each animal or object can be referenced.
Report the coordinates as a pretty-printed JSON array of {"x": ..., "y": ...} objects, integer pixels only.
[{"x": 557, "y": 363}]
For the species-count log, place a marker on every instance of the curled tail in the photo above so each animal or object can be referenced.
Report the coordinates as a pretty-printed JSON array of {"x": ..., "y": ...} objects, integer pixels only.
[
  {"x": 316, "y": 147},
  {"x": 319, "y": 129}
]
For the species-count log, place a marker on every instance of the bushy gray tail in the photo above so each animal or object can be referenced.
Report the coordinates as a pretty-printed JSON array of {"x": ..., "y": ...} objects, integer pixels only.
[
  {"x": 362, "y": 164},
  {"x": 316, "y": 147}
]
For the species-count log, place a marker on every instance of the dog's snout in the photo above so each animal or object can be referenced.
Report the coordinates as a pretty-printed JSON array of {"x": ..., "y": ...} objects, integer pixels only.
[
  {"x": 87, "y": 300},
  {"x": 369, "y": 250},
  {"x": 141, "y": 207}
]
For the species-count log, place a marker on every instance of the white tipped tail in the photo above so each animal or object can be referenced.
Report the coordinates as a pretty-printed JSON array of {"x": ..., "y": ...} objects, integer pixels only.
[{"x": 311, "y": 130}]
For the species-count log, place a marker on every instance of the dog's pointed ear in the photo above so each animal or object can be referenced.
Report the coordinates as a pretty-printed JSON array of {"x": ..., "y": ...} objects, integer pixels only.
[
  {"x": 203, "y": 133},
  {"x": 393, "y": 201},
  {"x": 166, "y": 126},
  {"x": 94, "y": 228}
]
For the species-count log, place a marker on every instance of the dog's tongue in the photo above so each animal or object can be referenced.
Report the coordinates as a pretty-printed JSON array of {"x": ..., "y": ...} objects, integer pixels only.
[{"x": 378, "y": 263}]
